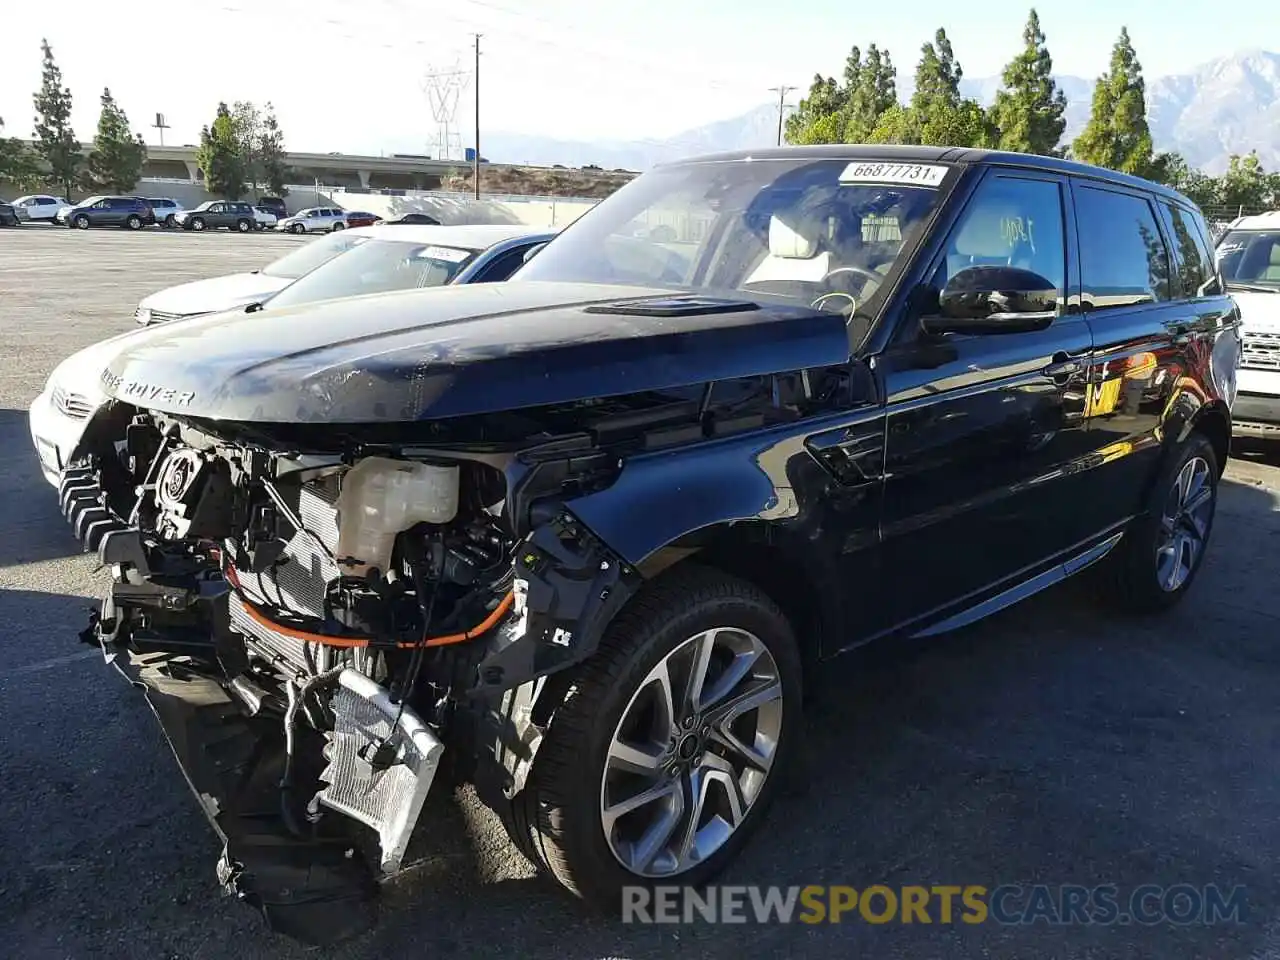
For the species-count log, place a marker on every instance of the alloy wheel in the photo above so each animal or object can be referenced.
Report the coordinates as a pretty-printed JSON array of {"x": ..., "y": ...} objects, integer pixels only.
[
  {"x": 1184, "y": 524},
  {"x": 691, "y": 752}
]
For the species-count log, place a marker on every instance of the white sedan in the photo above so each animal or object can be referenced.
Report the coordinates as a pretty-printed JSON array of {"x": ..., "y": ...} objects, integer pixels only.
[
  {"x": 387, "y": 260},
  {"x": 39, "y": 208}
]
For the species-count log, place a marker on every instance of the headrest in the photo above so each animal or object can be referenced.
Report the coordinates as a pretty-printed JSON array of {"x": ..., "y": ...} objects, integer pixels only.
[
  {"x": 787, "y": 242},
  {"x": 986, "y": 232}
]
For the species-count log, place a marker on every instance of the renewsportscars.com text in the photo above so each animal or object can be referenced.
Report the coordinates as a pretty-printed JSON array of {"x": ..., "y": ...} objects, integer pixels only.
[{"x": 1065, "y": 904}]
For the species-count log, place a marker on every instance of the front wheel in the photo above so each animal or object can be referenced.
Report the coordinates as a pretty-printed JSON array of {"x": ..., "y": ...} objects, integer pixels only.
[
  {"x": 672, "y": 745},
  {"x": 297, "y": 228},
  {"x": 197, "y": 223},
  {"x": 81, "y": 222},
  {"x": 1163, "y": 550}
]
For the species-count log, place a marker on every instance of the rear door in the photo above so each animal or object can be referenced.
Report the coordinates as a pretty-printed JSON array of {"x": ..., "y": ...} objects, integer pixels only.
[
  {"x": 984, "y": 430},
  {"x": 1143, "y": 333}
]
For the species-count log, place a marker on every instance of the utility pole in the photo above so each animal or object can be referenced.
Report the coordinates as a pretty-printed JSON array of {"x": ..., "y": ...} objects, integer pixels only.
[
  {"x": 782, "y": 105},
  {"x": 475, "y": 161}
]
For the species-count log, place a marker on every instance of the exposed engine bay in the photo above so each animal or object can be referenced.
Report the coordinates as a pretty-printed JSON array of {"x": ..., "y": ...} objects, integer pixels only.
[{"x": 356, "y": 613}]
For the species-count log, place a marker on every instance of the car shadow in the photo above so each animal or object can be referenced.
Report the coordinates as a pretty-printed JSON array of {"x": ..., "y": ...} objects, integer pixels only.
[
  {"x": 31, "y": 526},
  {"x": 1057, "y": 742}
]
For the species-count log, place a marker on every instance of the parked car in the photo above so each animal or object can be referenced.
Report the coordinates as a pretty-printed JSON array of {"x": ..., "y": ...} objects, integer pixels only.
[
  {"x": 166, "y": 210},
  {"x": 273, "y": 204},
  {"x": 40, "y": 207},
  {"x": 9, "y": 215},
  {"x": 1248, "y": 256},
  {"x": 133, "y": 213},
  {"x": 234, "y": 215},
  {"x": 314, "y": 220},
  {"x": 414, "y": 219},
  {"x": 325, "y": 268},
  {"x": 265, "y": 218},
  {"x": 598, "y": 526},
  {"x": 360, "y": 218}
]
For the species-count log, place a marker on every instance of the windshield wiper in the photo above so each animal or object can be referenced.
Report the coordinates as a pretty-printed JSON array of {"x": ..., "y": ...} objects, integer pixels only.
[{"x": 1252, "y": 287}]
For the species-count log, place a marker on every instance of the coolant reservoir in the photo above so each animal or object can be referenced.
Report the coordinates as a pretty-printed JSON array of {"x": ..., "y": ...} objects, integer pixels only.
[{"x": 382, "y": 497}]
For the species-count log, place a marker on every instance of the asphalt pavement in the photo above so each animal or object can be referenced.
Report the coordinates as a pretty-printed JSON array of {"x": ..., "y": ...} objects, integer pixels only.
[{"x": 1053, "y": 744}]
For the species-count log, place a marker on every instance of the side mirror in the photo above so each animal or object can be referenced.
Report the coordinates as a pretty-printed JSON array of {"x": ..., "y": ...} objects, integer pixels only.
[{"x": 994, "y": 300}]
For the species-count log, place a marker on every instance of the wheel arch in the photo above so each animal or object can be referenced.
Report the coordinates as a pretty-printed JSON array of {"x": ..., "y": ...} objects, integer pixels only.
[{"x": 1214, "y": 421}]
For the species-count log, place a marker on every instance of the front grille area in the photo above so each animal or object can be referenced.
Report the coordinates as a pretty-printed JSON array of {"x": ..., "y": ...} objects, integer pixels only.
[
  {"x": 73, "y": 405},
  {"x": 161, "y": 316},
  {"x": 1261, "y": 351}
]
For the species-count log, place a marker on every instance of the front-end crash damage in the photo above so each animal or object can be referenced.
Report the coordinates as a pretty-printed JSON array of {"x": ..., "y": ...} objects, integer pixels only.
[{"x": 313, "y": 631}]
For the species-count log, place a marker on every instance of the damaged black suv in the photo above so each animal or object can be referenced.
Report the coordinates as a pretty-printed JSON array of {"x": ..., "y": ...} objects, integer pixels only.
[{"x": 580, "y": 537}]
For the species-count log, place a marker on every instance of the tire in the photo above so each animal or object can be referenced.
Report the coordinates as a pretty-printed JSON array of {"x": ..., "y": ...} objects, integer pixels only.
[
  {"x": 339, "y": 226},
  {"x": 1141, "y": 576},
  {"x": 134, "y": 222},
  {"x": 170, "y": 222},
  {"x": 558, "y": 819},
  {"x": 297, "y": 228},
  {"x": 80, "y": 222},
  {"x": 244, "y": 226},
  {"x": 197, "y": 223}
]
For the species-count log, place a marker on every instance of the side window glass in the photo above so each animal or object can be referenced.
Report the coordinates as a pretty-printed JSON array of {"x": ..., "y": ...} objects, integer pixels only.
[
  {"x": 1014, "y": 223},
  {"x": 1123, "y": 260},
  {"x": 1191, "y": 258}
]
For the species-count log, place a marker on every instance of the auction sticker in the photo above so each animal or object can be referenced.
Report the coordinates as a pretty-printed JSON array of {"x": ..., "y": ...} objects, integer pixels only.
[
  {"x": 919, "y": 174},
  {"x": 447, "y": 254}
]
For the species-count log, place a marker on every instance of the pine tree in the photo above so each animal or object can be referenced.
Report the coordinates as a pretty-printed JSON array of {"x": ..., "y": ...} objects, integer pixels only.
[
  {"x": 115, "y": 162},
  {"x": 56, "y": 142},
  {"x": 220, "y": 158},
  {"x": 872, "y": 91},
  {"x": 1117, "y": 135},
  {"x": 271, "y": 153},
  {"x": 1029, "y": 108},
  {"x": 939, "y": 115}
]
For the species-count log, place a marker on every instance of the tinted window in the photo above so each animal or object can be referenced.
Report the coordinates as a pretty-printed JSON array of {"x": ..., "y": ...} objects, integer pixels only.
[
  {"x": 1123, "y": 260},
  {"x": 1191, "y": 258},
  {"x": 1010, "y": 222}
]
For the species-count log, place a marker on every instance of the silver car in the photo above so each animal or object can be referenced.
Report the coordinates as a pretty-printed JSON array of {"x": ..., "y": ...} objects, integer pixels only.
[{"x": 315, "y": 220}]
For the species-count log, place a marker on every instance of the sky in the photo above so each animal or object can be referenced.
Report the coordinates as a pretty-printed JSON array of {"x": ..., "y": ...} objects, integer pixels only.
[{"x": 351, "y": 77}]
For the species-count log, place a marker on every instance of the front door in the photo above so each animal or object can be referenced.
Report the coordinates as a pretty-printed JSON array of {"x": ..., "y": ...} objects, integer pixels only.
[{"x": 984, "y": 431}]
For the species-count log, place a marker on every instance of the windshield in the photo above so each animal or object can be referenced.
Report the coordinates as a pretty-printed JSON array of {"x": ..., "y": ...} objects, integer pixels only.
[
  {"x": 1250, "y": 258},
  {"x": 825, "y": 232},
  {"x": 310, "y": 255},
  {"x": 377, "y": 266}
]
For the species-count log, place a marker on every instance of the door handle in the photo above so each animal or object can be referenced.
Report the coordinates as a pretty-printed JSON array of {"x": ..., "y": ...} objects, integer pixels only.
[{"x": 1063, "y": 365}]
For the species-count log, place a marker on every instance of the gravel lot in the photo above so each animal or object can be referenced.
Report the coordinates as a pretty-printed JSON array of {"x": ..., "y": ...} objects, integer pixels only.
[{"x": 1049, "y": 745}]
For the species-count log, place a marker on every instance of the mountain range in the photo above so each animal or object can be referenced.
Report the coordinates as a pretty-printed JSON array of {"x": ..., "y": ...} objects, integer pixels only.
[{"x": 1228, "y": 105}]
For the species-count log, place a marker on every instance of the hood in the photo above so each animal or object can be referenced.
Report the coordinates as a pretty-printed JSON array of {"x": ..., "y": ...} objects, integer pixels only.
[
  {"x": 81, "y": 373},
  {"x": 214, "y": 294},
  {"x": 1259, "y": 312},
  {"x": 454, "y": 351}
]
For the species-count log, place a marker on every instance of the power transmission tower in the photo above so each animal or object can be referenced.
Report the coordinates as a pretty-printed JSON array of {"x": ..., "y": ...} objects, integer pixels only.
[
  {"x": 782, "y": 105},
  {"x": 444, "y": 89},
  {"x": 475, "y": 163}
]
